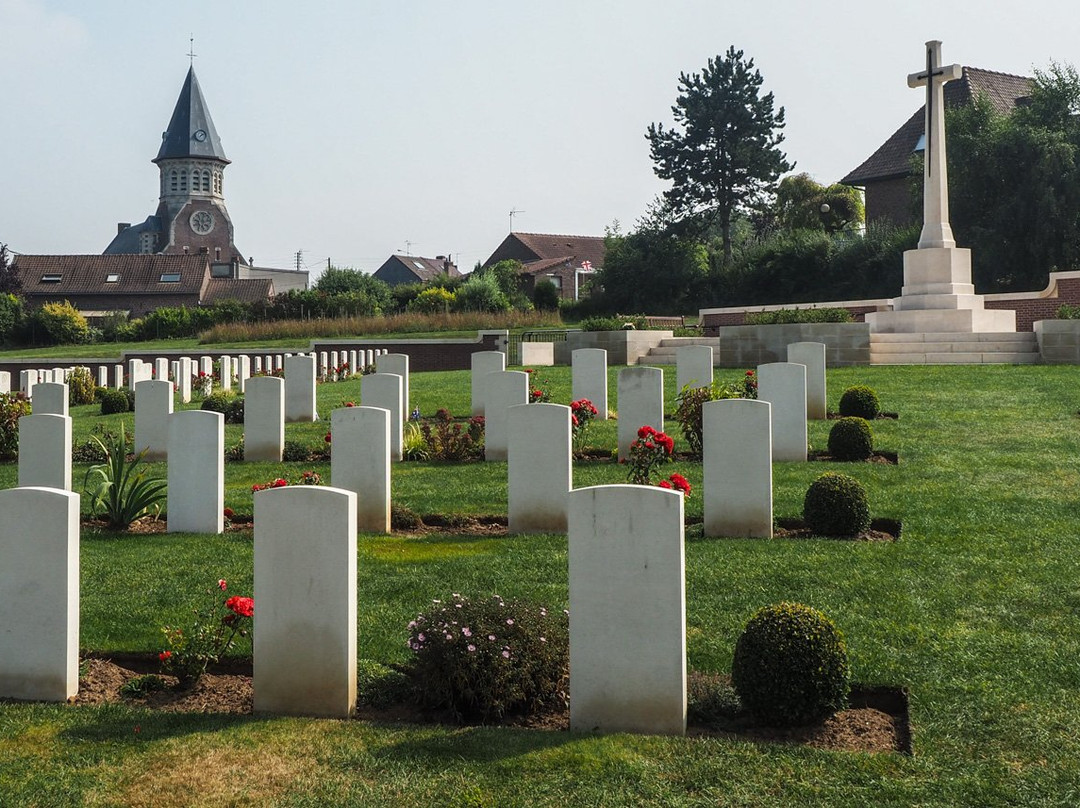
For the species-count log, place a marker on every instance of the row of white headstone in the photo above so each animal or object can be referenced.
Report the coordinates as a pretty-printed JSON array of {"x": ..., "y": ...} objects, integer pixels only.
[{"x": 627, "y": 603}]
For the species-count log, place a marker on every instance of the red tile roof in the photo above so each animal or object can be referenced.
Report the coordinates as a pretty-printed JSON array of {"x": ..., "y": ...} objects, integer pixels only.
[
  {"x": 136, "y": 274},
  {"x": 246, "y": 290}
]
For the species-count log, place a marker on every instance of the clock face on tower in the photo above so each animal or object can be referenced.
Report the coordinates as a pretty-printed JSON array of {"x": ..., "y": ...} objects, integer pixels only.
[{"x": 202, "y": 222}]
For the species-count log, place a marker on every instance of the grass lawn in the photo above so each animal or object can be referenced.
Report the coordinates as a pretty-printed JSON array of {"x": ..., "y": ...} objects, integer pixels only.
[{"x": 976, "y": 609}]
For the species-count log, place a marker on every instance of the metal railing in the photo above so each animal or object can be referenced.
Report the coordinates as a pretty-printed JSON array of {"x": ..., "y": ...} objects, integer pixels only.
[{"x": 513, "y": 345}]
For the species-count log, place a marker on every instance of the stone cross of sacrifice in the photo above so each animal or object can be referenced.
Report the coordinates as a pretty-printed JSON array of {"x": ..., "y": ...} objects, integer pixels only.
[{"x": 936, "y": 230}]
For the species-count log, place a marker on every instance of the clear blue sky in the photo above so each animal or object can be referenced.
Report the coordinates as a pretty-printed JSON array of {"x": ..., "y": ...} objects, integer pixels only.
[{"x": 355, "y": 127}]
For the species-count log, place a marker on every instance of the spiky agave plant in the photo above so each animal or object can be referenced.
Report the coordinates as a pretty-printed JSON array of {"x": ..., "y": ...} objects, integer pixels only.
[{"x": 115, "y": 487}]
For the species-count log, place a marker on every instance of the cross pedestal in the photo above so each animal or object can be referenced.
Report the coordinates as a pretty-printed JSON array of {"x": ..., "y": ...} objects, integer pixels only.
[{"x": 938, "y": 295}]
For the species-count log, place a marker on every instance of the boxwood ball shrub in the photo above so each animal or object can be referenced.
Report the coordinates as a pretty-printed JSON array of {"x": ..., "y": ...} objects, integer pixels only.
[
  {"x": 483, "y": 659},
  {"x": 114, "y": 401},
  {"x": 790, "y": 666},
  {"x": 861, "y": 402},
  {"x": 851, "y": 439},
  {"x": 836, "y": 505}
]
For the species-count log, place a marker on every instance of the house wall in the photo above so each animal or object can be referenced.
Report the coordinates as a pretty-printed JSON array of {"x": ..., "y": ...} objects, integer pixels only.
[
  {"x": 393, "y": 273},
  {"x": 889, "y": 200},
  {"x": 138, "y": 305}
]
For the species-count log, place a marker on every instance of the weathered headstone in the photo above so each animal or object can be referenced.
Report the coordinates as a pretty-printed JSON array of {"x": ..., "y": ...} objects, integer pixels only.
[
  {"x": 783, "y": 384},
  {"x": 539, "y": 467},
  {"x": 45, "y": 451},
  {"x": 51, "y": 398},
  {"x": 360, "y": 463},
  {"x": 811, "y": 354},
  {"x": 737, "y": 461},
  {"x": 641, "y": 403},
  {"x": 383, "y": 390},
  {"x": 505, "y": 389},
  {"x": 305, "y": 618},
  {"x": 482, "y": 363},
  {"x": 693, "y": 366},
  {"x": 627, "y": 557},
  {"x": 300, "y": 389},
  {"x": 153, "y": 407},
  {"x": 397, "y": 363},
  {"x": 196, "y": 476},
  {"x": 39, "y": 593},
  {"x": 264, "y": 419},
  {"x": 589, "y": 378}
]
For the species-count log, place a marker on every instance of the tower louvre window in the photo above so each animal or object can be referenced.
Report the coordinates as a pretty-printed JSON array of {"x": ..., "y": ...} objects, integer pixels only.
[
  {"x": 183, "y": 180},
  {"x": 206, "y": 180},
  {"x": 173, "y": 182}
]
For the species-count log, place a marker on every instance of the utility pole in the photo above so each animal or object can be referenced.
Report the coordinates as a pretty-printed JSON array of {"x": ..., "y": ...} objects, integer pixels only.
[{"x": 299, "y": 260}]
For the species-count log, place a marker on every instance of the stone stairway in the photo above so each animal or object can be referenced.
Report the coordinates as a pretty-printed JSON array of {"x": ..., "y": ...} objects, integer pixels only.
[
  {"x": 954, "y": 349},
  {"x": 664, "y": 353}
]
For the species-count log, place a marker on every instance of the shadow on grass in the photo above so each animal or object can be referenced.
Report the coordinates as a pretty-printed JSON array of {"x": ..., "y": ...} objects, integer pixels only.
[
  {"x": 481, "y": 744},
  {"x": 121, "y": 724}
]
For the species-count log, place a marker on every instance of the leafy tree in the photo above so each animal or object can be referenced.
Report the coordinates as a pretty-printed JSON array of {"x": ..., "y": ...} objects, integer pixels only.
[
  {"x": 344, "y": 280},
  {"x": 481, "y": 293},
  {"x": 508, "y": 275},
  {"x": 724, "y": 157},
  {"x": 803, "y": 203},
  {"x": 10, "y": 280},
  {"x": 546, "y": 295}
]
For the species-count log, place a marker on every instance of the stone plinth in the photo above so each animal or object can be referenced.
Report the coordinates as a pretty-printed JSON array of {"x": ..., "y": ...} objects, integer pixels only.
[
  {"x": 360, "y": 462},
  {"x": 737, "y": 461},
  {"x": 39, "y": 593},
  {"x": 627, "y": 610},
  {"x": 305, "y": 601},
  {"x": 196, "y": 476},
  {"x": 539, "y": 467}
]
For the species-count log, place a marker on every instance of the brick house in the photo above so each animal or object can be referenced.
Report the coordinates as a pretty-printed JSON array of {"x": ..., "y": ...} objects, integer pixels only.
[
  {"x": 399, "y": 269},
  {"x": 884, "y": 175},
  {"x": 566, "y": 261}
]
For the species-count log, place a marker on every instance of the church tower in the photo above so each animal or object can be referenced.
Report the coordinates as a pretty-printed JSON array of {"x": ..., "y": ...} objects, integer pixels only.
[{"x": 191, "y": 216}]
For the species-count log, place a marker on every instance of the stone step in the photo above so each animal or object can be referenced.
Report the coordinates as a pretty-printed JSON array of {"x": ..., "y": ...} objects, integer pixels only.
[
  {"x": 678, "y": 342},
  {"x": 955, "y": 358},
  {"x": 1022, "y": 337},
  {"x": 951, "y": 347}
]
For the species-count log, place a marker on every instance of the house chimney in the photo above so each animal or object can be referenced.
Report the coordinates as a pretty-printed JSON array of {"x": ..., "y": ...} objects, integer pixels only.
[{"x": 121, "y": 227}]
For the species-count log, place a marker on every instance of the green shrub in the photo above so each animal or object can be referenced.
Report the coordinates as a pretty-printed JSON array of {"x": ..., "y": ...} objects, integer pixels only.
[
  {"x": 131, "y": 399},
  {"x": 227, "y": 403},
  {"x": 546, "y": 296},
  {"x": 122, "y": 494},
  {"x": 861, "y": 402},
  {"x": 785, "y": 316},
  {"x": 11, "y": 316},
  {"x": 601, "y": 324},
  {"x": 790, "y": 666},
  {"x": 836, "y": 505},
  {"x": 114, "y": 401},
  {"x": 432, "y": 300},
  {"x": 689, "y": 412},
  {"x": 99, "y": 393},
  {"x": 295, "y": 452},
  {"x": 452, "y": 440},
  {"x": 60, "y": 324},
  {"x": 80, "y": 387},
  {"x": 851, "y": 439},
  {"x": 481, "y": 293},
  {"x": 1067, "y": 312},
  {"x": 13, "y": 406},
  {"x": 488, "y": 658}
]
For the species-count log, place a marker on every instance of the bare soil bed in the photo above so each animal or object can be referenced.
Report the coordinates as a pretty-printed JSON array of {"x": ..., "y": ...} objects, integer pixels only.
[{"x": 875, "y": 721}]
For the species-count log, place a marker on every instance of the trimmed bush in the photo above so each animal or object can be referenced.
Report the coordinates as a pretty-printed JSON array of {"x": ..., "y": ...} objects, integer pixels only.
[
  {"x": 851, "y": 439},
  {"x": 861, "y": 402},
  {"x": 488, "y": 658},
  {"x": 114, "y": 401},
  {"x": 836, "y": 505},
  {"x": 228, "y": 404},
  {"x": 790, "y": 666}
]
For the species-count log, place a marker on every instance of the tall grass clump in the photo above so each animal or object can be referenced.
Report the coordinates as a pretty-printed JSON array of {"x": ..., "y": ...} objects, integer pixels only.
[{"x": 404, "y": 323}]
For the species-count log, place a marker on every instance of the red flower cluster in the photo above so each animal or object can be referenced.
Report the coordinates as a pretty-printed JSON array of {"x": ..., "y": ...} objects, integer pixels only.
[
  {"x": 676, "y": 482},
  {"x": 164, "y": 655},
  {"x": 229, "y": 513},
  {"x": 278, "y": 483},
  {"x": 221, "y": 581},
  {"x": 244, "y": 607},
  {"x": 583, "y": 403},
  {"x": 651, "y": 437}
]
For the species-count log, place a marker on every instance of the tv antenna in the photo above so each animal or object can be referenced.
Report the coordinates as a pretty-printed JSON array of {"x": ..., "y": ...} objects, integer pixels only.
[{"x": 513, "y": 211}]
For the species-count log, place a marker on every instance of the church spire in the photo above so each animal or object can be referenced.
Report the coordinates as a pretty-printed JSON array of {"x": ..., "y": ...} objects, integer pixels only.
[{"x": 191, "y": 131}]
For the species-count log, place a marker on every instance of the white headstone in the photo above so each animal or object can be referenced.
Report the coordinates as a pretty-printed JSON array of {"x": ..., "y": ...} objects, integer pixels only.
[
  {"x": 539, "y": 468},
  {"x": 196, "y": 493},
  {"x": 360, "y": 462},
  {"x": 45, "y": 451},
  {"x": 483, "y": 363},
  {"x": 300, "y": 389},
  {"x": 383, "y": 390},
  {"x": 51, "y": 398},
  {"x": 811, "y": 354},
  {"x": 641, "y": 403},
  {"x": 693, "y": 366},
  {"x": 103, "y": 376},
  {"x": 353, "y": 359},
  {"x": 39, "y": 593},
  {"x": 206, "y": 365},
  {"x": 226, "y": 373},
  {"x": 589, "y": 378},
  {"x": 324, "y": 364},
  {"x": 783, "y": 384},
  {"x": 174, "y": 373},
  {"x": 257, "y": 364},
  {"x": 305, "y": 615},
  {"x": 264, "y": 419},
  {"x": 153, "y": 407},
  {"x": 369, "y": 359},
  {"x": 187, "y": 371},
  {"x": 161, "y": 369},
  {"x": 737, "y": 461},
  {"x": 243, "y": 371},
  {"x": 118, "y": 377},
  {"x": 505, "y": 389},
  {"x": 397, "y": 363},
  {"x": 134, "y": 372},
  {"x": 27, "y": 380},
  {"x": 627, "y": 610}
]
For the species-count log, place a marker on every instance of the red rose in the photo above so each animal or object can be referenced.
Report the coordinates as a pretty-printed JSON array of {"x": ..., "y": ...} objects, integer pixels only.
[
  {"x": 229, "y": 513},
  {"x": 221, "y": 582},
  {"x": 164, "y": 655},
  {"x": 327, "y": 438},
  {"x": 664, "y": 484},
  {"x": 245, "y": 607}
]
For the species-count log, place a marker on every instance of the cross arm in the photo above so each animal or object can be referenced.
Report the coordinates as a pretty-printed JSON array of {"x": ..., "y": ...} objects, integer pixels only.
[{"x": 946, "y": 72}]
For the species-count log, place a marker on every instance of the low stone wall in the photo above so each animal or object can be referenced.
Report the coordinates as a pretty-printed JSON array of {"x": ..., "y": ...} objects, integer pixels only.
[
  {"x": 623, "y": 347},
  {"x": 746, "y": 346},
  {"x": 1059, "y": 341}
]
